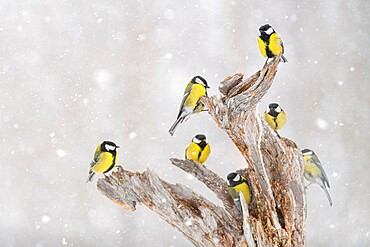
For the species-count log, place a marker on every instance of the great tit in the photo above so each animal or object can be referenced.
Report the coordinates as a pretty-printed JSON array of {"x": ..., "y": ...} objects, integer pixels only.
[
  {"x": 270, "y": 43},
  {"x": 314, "y": 172},
  {"x": 196, "y": 88},
  {"x": 275, "y": 117},
  {"x": 104, "y": 160},
  {"x": 237, "y": 184},
  {"x": 198, "y": 149}
]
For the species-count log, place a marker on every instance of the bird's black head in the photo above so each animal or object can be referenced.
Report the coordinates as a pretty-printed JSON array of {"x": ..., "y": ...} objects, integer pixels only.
[
  {"x": 199, "y": 80},
  {"x": 266, "y": 30},
  {"x": 308, "y": 152},
  {"x": 200, "y": 139},
  {"x": 234, "y": 179},
  {"x": 108, "y": 146},
  {"x": 274, "y": 109}
]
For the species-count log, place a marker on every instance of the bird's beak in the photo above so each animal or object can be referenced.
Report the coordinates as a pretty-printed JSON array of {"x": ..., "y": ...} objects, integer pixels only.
[
  {"x": 117, "y": 146},
  {"x": 207, "y": 86}
]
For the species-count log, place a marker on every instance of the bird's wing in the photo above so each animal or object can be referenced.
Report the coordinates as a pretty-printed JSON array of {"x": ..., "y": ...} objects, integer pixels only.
[
  {"x": 92, "y": 163},
  {"x": 233, "y": 193},
  {"x": 97, "y": 154},
  {"x": 317, "y": 162},
  {"x": 186, "y": 95}
]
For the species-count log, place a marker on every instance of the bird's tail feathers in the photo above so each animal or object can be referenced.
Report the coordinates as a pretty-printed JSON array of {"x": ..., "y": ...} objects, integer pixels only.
[
  {"x": 327, "y": 195},
  {"x": 90, "y": 177},
  {"x": 174, "y": 125},
  {"x": 284, "y": 59},
  {"x": 238, "y": 204}
]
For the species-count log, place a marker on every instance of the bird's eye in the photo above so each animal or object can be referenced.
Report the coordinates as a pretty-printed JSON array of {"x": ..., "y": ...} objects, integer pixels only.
[
  {"x": 109, "y": 147},
  {"x": 237, "y": 178}
]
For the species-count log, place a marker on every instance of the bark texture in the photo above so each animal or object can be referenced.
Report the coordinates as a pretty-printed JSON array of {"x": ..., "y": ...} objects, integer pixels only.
[{"x": 277, "y": 213}]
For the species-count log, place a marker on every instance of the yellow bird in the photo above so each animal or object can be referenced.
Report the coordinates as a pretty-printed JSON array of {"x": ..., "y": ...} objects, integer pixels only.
[
  {"x": 270, "y": 43},
  {"x": 275, "y": 117},
  {"x": 195, "y": 89},
  {"x": 314, "y": 172},
  {"x": 238, "y": 184},
  {"x": 104, "y": 160},
  {"x": 198, "y": 149}
]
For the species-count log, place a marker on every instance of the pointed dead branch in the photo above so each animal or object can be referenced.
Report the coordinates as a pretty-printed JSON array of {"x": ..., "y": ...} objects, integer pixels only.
[{"x": 274, "y": 167}]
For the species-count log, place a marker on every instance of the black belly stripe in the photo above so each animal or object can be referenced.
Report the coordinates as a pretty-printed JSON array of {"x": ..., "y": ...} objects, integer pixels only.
[
  {"x": 276, "y": 124},
  {"x": 112, "y": 165}
]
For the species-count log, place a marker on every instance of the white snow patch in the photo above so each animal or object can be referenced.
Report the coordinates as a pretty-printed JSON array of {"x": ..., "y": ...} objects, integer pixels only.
[
  {"x": 340, "y": 83},
  {"x": 334, "y": 174},
  {"x": 45, "y": 219},
  {"x": 352, "y": 69},
  {"x": 164, "y": 200},
  {"x": 189, "y": 177},
  {"x": 103, "y": 78},
  {"x": 188, "y": 223},
  {"x": 64, "y": 241},
  {"x": 61, "y": 153},
  {"x": 85, "y": 102},
  {"x": 100, "y": 20},
  {"x": 168, "y": 55},
  {"x": 322, "y": 124},
  {"x": 132, "y": 135},
  {"x": 52, "y": 134},
  {"x": 37, "y": 226},
  {"x": 332, "y": 226},
  {"x": 141, "y": 37}
]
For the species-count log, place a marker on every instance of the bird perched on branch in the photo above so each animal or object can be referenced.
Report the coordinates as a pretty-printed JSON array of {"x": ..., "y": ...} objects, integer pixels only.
[
  {"x": 270, "y": 43},
  {"x": 104, "y": 160},
  {"x": 314, "y": 172},
  {"x": 275, "y": 117},
  {"x": 238, "y": 184},
  {"x": 198, "y": 149},
  {"x": 196, "y": 88}
]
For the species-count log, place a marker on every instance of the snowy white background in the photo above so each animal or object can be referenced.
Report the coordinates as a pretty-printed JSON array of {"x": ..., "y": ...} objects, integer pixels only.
[{"x": 75, "y": 73}]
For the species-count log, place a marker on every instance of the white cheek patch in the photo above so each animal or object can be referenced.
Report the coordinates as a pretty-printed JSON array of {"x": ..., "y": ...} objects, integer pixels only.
[
  {"x": 197, "y": 141},
  {"x": 109, "y": 147},
  {"x": 269, "y": 31},
  {"x": 237, "y": 178},
  {"x": 278, "y": 109},
  {"x": 308, "y": 153},
  {"x": 197, "y": 80}
]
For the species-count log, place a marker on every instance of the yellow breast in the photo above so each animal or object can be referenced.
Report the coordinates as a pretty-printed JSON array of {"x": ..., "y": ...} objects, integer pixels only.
[
  {"x": 196, "y": 92},
  {"x": 275, "y": 44},
  {"x": 104, "y": 163},
  {"x": 262, "y": 47},
  {"x": 244, "y": 188},
  {"x": 311, "y": 167}
]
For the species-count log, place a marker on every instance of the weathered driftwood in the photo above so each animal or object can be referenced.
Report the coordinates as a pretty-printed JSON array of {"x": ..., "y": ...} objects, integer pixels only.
[{"x": 276, "y": 215}]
